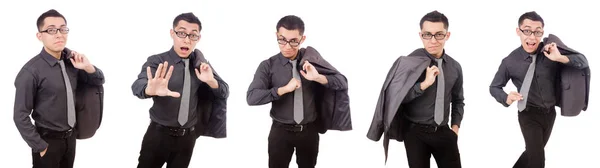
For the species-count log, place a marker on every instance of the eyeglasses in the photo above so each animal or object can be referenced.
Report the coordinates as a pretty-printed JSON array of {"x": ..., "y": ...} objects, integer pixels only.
[
  {"x": 62, "y": 30},
  {"x": 293, "y": 42},
  {"x": 529, "y": 32},
  {"x": 438, "y": 36},
  {"x": 193, "y": 37}
]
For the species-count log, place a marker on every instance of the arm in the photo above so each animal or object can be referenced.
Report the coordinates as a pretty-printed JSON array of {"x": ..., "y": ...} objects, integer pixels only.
[
  {"x": 26, "y": 88},
  {"x": 221, "y": 89},
  {"x": 334, "y": 82},
  {"x": 500, "y": 79},
  {"x": 96, "y": 77},
  {"x": 413, "y": 93},
  {"x": 574, "y": 60},
  {"x": 259, "y": 92},
  {"x": 139, "y": 86},
  {"x": 457, "y": 102}
]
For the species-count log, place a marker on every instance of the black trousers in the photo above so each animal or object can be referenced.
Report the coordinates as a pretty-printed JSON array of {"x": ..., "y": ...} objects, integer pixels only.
[
  {"x": 164, "y": 144},
  {"x": 60, "y": 152},
  {"x": 536, "y": 126},
  {"x": 422, "y": 141},
  {"x": 283, "y": 139}
]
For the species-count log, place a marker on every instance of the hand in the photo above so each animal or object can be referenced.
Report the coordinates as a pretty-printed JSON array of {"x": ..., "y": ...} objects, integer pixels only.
[
  {"x": 159, "y": 85},
  {"x": 552, "y": 53},
  {"x": 430, "y": 75},
  {"x": 205, "y": 74},
  {"x": 512, "y": 97},
  {"x": 79, "y": 61},
  {"x": 292, "y": 85},
  {"x": 43, "y": 152},
  {"x": 455, "y": 129},
  {"x": 309, "y": 72}
]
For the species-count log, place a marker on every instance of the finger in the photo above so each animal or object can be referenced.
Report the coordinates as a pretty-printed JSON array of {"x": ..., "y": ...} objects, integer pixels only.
[
  {"x": 148, "y": 73},
  {"x": 173, "y": 94},
  {"x": 197, "y": 72},
  {"x": 163, "y": 73},
  {"x": 80, "y": 57},
  {"x": 303, "y": 74},
  {"x": 72, "y": 60},
  {"x": 157, "y": 73},
  {"x": 170, "y": 72}
]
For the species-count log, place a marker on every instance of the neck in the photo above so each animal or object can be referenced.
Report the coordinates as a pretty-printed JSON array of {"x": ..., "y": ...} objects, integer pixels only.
[{"x": 53, "y": 53}]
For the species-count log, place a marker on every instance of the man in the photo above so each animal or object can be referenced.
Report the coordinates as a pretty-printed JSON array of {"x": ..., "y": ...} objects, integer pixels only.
[
  {"x": 301, "y": 96},
  {"x": 434, "y": 93},
  {"x": 177, "y": 81},
  {"x": 45, "y": 89},
  {"x": 534, "y": 68}
]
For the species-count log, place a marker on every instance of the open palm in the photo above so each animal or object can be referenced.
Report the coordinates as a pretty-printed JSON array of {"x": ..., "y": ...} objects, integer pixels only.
[{"x": 159, "y": 84}]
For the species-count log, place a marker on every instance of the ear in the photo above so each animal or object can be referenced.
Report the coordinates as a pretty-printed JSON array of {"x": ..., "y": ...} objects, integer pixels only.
[
  {"x": 448, "y": 35},
  {"x": 517, "y": 31},
  {"x": 303, "y": 38},
  {"x": 39, "y": 36},
  {"x": 420, "y": 35}
]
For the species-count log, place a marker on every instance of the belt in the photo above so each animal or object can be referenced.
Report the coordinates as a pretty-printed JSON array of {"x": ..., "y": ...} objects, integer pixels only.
[
  {"x": 429, "y": 128},
  {"x": 291, "y": 127},
  {"x": 174, "y": 131},
  {"x": 45, "y": 132},
  {"x": 538, "y": 109}
]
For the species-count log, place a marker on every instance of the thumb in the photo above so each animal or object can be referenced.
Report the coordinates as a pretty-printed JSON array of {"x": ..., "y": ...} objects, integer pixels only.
[{"x": 174, "y": 94}]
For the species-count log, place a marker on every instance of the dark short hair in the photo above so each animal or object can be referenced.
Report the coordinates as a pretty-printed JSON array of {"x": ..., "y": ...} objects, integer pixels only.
[
  {"x": 188, "y": 17},
  {"x": 434, "y": 16},
  {"x": 49, "y": 13},
  {"x": 533, "y": 16},
  {"x": 291, "y": 22}
]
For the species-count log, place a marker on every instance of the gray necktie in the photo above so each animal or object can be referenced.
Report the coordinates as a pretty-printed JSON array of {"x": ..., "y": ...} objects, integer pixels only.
[
  {"x": 184, "y": 107},
  {"x": 526, "y": 84},
  {"x": 439, "y": 97},
  {"x": 70, "y": 102},
  {"x": 298, "y": 101}
]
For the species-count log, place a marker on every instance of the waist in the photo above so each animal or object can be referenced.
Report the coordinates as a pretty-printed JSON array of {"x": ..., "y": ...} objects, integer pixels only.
[
  {"x": 428, "y": 127},
  {"x": 45, "y": 132},
  {"x": 173, "y": 131},
  {"x": 293, "y": 127},
  {"x": 530, "y": 108}
]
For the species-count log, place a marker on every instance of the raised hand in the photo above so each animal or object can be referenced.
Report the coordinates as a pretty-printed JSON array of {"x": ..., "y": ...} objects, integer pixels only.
[
  {"x": 80, "y": 61},
  {"x": 159, "y": 84},
  {"x": 430, "y": 75},
  {"x": 292, "y": 85}
]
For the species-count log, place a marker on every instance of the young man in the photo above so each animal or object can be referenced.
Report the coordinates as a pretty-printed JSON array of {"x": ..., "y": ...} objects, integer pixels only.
[
  {"x": 178, "y": 81},
  {"x": 434, "y": 93},
  {"x": 534, "y": 68},
  {"x": 301, "y": 95},
  {"x": 46, "y": 88}
]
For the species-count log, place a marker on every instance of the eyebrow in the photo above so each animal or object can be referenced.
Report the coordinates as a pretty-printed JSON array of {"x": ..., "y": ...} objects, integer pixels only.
[
  {"x": 439, "y": 32},
  {"x": 295, "y": 38}
]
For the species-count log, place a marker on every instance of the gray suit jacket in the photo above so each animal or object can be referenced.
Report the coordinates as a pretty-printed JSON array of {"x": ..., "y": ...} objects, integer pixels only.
[
  {"x": 388, "y": 118},
  {"x": 573, "y": 95}
]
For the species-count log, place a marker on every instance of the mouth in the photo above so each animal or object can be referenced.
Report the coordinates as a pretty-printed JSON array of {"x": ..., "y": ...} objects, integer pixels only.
[
  {"x": 530, "y": 44},
  {"x": 184, "y": 49},
  {"x": 59, "y": 42}
]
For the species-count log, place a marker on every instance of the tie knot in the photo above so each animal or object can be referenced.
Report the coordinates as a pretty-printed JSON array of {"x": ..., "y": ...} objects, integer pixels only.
[
  {"x": 293, "y": 62},
  {"x": 186, "y": 62}
]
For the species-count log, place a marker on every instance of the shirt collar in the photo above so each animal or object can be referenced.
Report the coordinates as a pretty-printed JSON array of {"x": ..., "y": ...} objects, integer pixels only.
[
  {"x": 443, "y": 57},
  {"x": 284, "y": 60},
  {"x": 50, "y": 59},
  {"x": 174, "y": 58}
]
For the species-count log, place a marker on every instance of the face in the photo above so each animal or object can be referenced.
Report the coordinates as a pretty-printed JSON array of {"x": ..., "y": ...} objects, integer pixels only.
[
  {"x": 53, "y": 34},
  {"x": 530, "y": 33},
  {"x": 289, "y": 42},
  {"x": 434, "y": 36},
  {"x": 185, "y": 37}
]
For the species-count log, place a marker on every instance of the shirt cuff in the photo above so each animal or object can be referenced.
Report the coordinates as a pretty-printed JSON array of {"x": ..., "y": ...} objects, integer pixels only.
[{"x": 274, "y": 93}]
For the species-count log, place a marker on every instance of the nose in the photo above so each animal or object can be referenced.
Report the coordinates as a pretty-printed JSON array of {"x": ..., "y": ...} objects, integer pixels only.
[
  {"x": 287, "y": 46},
  {"x": 187, "y": 40}
]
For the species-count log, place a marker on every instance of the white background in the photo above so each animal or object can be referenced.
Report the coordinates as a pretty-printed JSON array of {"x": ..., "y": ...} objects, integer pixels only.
[{"x": 361, "y": 39}]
